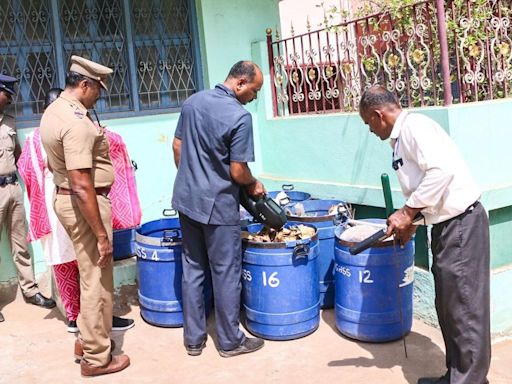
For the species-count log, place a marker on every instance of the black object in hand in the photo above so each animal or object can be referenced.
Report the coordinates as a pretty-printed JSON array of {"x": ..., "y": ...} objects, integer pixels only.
[{"x": 264, "y": 210}]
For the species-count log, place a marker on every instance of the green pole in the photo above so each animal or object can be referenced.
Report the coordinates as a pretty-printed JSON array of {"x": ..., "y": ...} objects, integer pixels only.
[{"x": 388, "y": 199}]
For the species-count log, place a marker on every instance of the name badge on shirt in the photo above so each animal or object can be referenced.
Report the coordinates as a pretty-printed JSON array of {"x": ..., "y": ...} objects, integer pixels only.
[
  {"x": 79, "y": 114},
  {"x": 396, "y": 163}
]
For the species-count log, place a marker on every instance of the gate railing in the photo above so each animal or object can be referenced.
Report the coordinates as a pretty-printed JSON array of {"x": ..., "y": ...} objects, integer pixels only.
[{"x": 468, "y": 59}]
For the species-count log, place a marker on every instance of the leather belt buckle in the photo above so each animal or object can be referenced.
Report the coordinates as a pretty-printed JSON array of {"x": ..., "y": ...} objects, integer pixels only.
[
  {"x": 102, "y": 191},
  {"x": 472, "y": 206},
  {"x": 63, "y": 191},
  {"x": 8, "y": 179}
]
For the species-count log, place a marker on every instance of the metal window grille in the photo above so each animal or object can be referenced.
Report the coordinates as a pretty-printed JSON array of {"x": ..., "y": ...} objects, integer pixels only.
[
  {"x": 164, "y": 52},
  {"x": 150, "y": 44},
  {"x": 27, "y": 51}
]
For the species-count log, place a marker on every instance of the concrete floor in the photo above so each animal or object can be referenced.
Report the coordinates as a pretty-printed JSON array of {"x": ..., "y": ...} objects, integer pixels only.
[{"x": 35, "y": 348}]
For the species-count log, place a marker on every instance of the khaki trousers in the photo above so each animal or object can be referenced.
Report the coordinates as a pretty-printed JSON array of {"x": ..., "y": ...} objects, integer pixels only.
[
  {"x": 12, "y": 217},
  {"x": 96, "y": 284}
]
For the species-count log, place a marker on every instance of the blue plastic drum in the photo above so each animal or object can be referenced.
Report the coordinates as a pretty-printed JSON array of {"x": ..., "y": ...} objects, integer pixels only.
[
  {"x": 280, "y": 287},
  {"x": 293, "y": 196},
  {"x": 374, "y": 290},
  {"x": 317, "y": 214},
  {"x": 124, "y": 243},
  {"x": 159, "y": 272}
]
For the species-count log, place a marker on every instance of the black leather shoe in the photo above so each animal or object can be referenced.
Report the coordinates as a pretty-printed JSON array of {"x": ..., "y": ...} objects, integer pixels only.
[
  {"x": 121, "y": 324},
  {"x": 434, "y": 380},
  {"x": 41, "y": 301},
  {"x": 195, "y": 350},
  {"x": 250, "y": 344},
  {"x": 1, "y": 317}
]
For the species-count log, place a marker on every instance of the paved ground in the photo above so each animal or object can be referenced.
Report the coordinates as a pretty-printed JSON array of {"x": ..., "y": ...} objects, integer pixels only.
[{"x": 35, "y": 348}]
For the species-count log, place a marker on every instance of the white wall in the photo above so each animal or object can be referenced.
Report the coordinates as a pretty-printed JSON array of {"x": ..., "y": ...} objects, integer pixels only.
[{"x": 297, "y": 12}]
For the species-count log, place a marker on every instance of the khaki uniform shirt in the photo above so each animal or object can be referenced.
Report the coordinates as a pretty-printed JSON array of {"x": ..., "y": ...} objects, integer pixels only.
[
  {"x": 7, "y": 144},
  {"x": 72, "y": 141}
]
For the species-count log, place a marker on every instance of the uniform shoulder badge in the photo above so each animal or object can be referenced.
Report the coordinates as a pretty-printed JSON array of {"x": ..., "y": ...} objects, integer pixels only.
[{"x": 79, "y": 114}]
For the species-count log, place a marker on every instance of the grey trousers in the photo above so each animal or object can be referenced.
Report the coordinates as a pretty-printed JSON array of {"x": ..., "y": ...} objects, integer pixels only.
[
  {"x": 216, "y": 248},
  {"x": 461, "y": 271}
]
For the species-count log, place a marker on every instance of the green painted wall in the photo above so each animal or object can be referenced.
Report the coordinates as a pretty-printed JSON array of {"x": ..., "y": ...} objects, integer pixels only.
[
  {"x": 334, "y": 156},
  {"x": 501, "y": 240},
  {"x": 229, "y": 28}
]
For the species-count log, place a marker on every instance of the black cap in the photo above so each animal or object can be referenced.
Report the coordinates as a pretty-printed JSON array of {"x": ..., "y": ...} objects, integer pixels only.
[{"x": 7, "y": 84}]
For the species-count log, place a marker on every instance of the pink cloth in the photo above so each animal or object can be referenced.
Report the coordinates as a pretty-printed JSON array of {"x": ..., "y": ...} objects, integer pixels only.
[
  {"x": 31, "y": 167},
  {"x": 67, "y": 279},
  {"x": 126, "y": 211}
]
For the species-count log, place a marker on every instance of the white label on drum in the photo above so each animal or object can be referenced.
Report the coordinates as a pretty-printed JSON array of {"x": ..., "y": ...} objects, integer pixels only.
[{"x": 408, "y": 276}]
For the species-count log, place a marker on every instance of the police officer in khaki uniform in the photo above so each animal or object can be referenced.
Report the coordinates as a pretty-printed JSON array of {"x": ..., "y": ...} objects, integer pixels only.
[
  {"x": 12, "y": 212},
  {"x": 78, "y": 155}
]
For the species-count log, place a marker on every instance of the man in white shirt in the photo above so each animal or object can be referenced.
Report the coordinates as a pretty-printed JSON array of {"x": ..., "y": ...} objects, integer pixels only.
[{"x": 436, "y": 182}]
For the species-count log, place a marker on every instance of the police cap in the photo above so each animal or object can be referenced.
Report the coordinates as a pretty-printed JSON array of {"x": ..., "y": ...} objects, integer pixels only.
[
  {"x": 7, "y": 84},
  {"x": 90, "y": 69}
]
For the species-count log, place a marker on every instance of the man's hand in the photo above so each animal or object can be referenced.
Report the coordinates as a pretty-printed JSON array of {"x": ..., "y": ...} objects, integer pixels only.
[
  {"x": 257, "y": 189},
  {"x": 105, "y": 250},
  {"x": 400, "y": 224}
]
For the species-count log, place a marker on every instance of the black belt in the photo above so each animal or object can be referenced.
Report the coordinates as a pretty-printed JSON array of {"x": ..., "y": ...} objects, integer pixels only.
[
  {"x": 103, "y": 191},
  {"x": 472, "y": 206},
  {"x": 8, "y": 179},
  {"x": 468, "y": 210}
]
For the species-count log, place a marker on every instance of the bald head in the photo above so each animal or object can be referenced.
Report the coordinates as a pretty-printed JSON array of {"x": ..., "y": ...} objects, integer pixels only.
[
  {"x": 379, "y": 109},
  {"x": 377, "y": 97},
  {"x": 243, "y": 68},
  {"x": 245, "y": 80}
]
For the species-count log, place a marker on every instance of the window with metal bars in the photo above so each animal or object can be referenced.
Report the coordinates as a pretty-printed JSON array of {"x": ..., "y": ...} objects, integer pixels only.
[{"x": 151, "y": 45}]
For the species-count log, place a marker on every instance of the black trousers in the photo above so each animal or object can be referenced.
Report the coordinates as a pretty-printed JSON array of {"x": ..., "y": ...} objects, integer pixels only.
[
  {"x": 216, "y": 248},
  {"x": 461, "y": 269}
]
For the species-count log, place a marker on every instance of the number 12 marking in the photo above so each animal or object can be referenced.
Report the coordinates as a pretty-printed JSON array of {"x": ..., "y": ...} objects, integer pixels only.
[{"x": 364, "y": 277}]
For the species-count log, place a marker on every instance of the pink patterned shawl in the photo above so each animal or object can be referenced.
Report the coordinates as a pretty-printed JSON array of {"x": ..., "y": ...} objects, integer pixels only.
[
  {"x": 126, "y": 211},
  {"x": 31, "y": 167}
]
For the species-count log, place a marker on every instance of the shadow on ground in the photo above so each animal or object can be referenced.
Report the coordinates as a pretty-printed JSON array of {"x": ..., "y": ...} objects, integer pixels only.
[{"x": 408, "y": 354}]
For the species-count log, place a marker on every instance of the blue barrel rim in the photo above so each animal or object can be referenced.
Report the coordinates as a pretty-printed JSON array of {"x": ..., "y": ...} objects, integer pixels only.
[
  {"x": 282, "y": 244},
  {"x": 155, "y": 241},
  {"x": 122, "y": 230},
  {"x": 314, "y": 219},
  {"x": 381, "y": 244},
  {"x": 292, "y": 196},
  {"x": 146, "y": 239}
]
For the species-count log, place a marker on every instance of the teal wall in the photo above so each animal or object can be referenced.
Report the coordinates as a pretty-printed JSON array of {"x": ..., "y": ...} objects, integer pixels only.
[
  {"x": 229, "y": 28},
  {"x": 335, "y": 156}
]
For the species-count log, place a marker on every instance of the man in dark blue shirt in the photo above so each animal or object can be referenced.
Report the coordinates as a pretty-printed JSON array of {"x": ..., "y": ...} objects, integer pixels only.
[{"x": 213, "y": 143}]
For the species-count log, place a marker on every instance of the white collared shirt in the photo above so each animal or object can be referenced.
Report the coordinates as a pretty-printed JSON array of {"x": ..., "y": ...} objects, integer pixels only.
[{"x": 431, "y": 170}]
